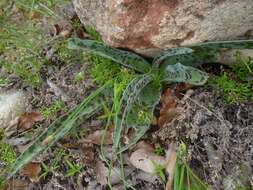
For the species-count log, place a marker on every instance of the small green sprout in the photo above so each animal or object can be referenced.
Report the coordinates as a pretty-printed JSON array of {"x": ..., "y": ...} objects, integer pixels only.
[
  {"x": 54, "y": 164},
  {"x": 79, "y": 77},
  {"x": 160, "y": 151},
  {"x": 160, "y": 171},
  {"x": 243, "y": 68},
  {"x": 7, "y": 153},
  {"x": 3, "y": 82},
  {"x": 94, "y": 33},
  {"x": 52, "y": 110},
  {"x": 233, "y": 91},
  {"x": 73, "y": 168},
  {"x": 184, "y": 176}
]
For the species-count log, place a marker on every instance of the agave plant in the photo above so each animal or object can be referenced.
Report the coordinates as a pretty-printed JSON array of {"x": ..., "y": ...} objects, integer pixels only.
[{"x": 135, "y": 108}]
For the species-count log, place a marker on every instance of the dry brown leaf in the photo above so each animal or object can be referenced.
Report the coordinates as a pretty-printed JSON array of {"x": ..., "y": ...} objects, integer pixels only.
[
  {"x": 32, "y": 171},
  {"x": 97, "y": 137},
  {"x": 144, "y": 145},
  {"x": 167, "y": 116},
  {"x": 57, "y": 29},
  {"x": 27, "y": 120},
  {"x": 17, "y": 184},
  {"x": 34, "y": 15},
  {"x": 101, "y": 172},
  {"x": 182, "y": 88},
  {"x": 88, "y": 156},
  {"x": 145, "y": 160},
  {"x": 168, "y": 108},
  {"x": 171, "y": 158},
  {"x": 169, "y": 102},
  {"x": 1, "y": 12},
  {"x": 63, "y": 29},
  {"x": 69, "y": 145}
]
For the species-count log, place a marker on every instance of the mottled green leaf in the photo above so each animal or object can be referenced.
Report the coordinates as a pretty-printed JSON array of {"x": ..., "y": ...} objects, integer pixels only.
[
  {"x": 129, "y": 97},
  {"x": 147, "y": 94},
  {"x": 182, "y": 73},
  {"x": 143, "y": 115},
  {"x": 125, "y": 58},
  {"x": 197, "y": 54},
  {"x": 171, "y": 53},
  {"x": 235, "y": 44}
]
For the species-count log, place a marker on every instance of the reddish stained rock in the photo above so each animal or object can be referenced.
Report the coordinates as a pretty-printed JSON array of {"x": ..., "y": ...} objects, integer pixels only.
[
  {"x": 139, "y": 28},
  {"x": 148, "y": 26}
]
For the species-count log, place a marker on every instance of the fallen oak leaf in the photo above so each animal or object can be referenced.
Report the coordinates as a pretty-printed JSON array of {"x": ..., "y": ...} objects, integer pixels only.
[{"x": 27, "y": 120}]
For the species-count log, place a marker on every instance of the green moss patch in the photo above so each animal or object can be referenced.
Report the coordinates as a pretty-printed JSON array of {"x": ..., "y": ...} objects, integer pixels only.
[{"x": 236, "y": 85}]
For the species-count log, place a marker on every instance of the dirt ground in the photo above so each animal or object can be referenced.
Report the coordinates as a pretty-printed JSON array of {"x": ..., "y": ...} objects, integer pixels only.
[{"x": 219, "y": 136}]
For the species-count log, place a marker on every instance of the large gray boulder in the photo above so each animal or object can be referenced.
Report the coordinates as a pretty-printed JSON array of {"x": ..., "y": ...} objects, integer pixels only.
[{"x": 148, "y": 26}]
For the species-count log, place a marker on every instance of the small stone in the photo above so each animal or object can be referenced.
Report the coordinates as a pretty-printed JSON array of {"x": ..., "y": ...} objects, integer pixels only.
[{"x": 12, "y": 105}]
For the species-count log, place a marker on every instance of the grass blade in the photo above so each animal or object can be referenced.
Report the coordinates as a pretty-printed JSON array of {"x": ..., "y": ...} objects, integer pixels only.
[
  {"x": 125, "y": 58},
  {"x": 57, "y": 130}
]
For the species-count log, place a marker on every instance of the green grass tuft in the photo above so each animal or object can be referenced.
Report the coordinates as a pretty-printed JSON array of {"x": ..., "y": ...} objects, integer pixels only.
[
  {"x": 52, "y": 110},
  {"x": 184, "y": 176},
  {"x": 237, "y": 85},
  {"x": 3, "y": 81},
  {"x": 73, "y": 168},
  {"x": 94, "y": 33},
  {"x": 7, "y": 157},
  {"x": 243, "y": 68},
  {"x": 233, "y": 91},
  {"x": 7, "y": 153},
  {"x": 22, "y": 41},
  {"x": 160, "y": 171},
  {"x": 160, "y": 151},
  {"x": 103, "y": 70},
  {"x": 54, "y": 164}
]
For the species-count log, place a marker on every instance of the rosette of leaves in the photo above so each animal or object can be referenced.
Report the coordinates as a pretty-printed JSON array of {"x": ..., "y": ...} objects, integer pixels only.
[{"x": 133, "y": 110}]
